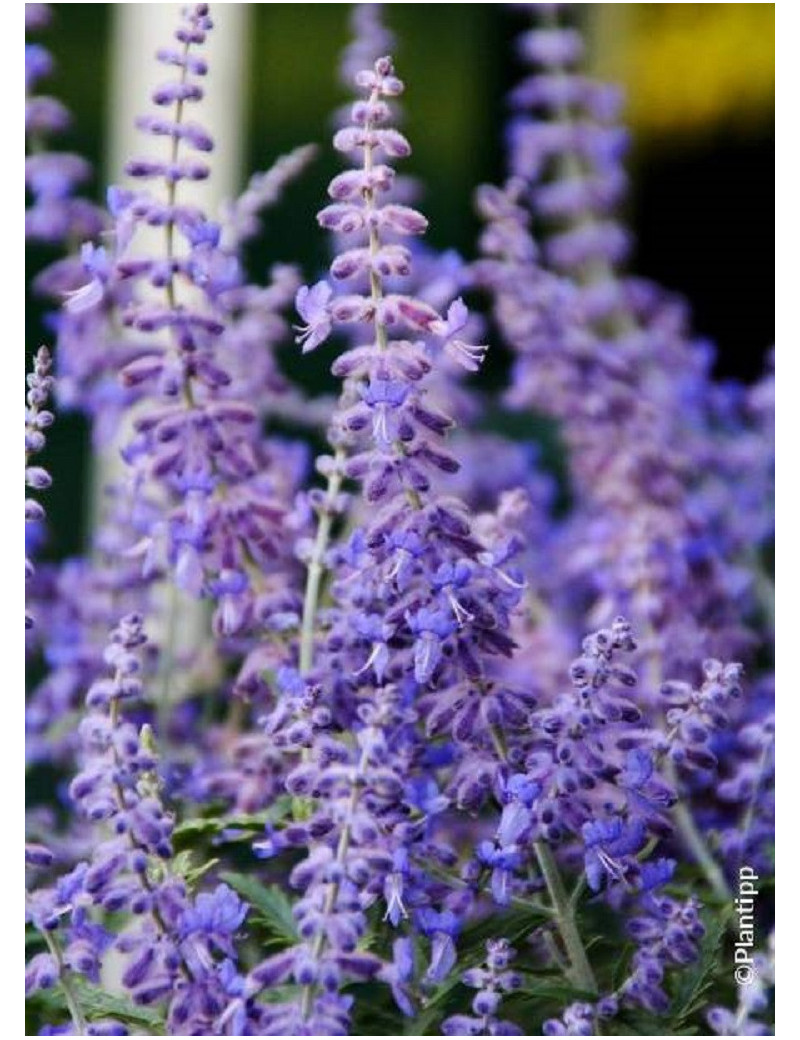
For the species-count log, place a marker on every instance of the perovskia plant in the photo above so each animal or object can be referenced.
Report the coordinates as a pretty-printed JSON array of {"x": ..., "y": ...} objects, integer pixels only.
[{"x": 396, "y": 788}]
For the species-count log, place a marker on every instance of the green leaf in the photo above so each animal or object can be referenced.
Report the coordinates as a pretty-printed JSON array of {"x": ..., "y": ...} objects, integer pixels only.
[
  {"x": 695, "y": 980},
  {"x": 632, "y": 1023},
  {"x": 96, "y": 1004},
  {"x": 374, "y": 1010},
  {"x": 274, "y": 908},
  {"x": 188, "y": 832},
  {"x": 183, "y": 865},
  {"x": 551, "y": 987},
  {"x": 516, "y": 923}
]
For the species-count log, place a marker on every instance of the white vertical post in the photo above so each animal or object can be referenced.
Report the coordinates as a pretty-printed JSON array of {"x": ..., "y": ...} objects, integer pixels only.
[{"x": 139, "y": 31}]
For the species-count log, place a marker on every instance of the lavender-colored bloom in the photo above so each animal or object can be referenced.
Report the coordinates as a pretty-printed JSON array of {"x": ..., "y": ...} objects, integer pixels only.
[
  {"x": 611, "y": 846},
  {"x": 612, "y": 360},
  {"x": 581, "y": 755},
  {"x": 76, "y": 600},
  {"x": 694, "y": 715},
  {"x": 357, "y": 798},
  {"x": 442, "y": 928},
  {"x": 605, "y": 356},
  {"x": 746, "y": 785},
  {"x": 666, "y": 934},
  {"x": 399, "y": 973},
  {"x": 370, "y": 39},
  {"x": 41, "y": 972},
  {"x": 417, "y": 596},
  {"x": 505, "y": 854},
  {"x": 55, "y": 215},
  {"x": 578, "y": 1020},
  {"x": 390, "y": 430},
  {"x": 491, "y": 982},
  {"x": 403, "y": 730},
  {"x": 311, "y": 305}
]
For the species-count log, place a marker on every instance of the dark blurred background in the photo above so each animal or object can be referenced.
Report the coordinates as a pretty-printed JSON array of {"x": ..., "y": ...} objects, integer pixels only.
[{"x": 700, "y": 82}]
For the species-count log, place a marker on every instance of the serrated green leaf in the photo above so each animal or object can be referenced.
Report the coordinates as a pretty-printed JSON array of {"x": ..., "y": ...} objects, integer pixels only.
[
  {"x": 182, "y": 862},
  {"x": 274, "y": 908},
  {"x": 188, "y": 831},
  {"x": 96, "y": 1004},
  {"x": 183, "y": 866}
]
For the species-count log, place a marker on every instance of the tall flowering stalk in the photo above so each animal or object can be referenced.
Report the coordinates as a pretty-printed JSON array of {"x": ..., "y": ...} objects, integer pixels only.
[
  {"x": 604, "y": 354},
  {"x": 168, "y": 946},
  {"x": 198, "y": 443},
  {"x": 388, "y": 621},
  {"x": 37, "y": 419}
]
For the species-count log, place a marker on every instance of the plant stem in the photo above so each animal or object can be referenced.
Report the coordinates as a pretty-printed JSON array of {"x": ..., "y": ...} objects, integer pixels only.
[
  {"x": 580, "y": 971},
  {"x": 316, "y": 566},
  {"x": 70, "y": 996},
  {"x": 167, "y": 662},
  {"x": 696, "y": 844}
]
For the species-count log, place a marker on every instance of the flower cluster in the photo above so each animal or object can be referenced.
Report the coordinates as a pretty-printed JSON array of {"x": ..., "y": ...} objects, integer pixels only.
[
  {"x": 491, "y": 983},
  {"x": 357, "y": 799},
  {"x": 666, "y": 933},
  {"x": 611, "y": 359},
  {"x": 752, "y": 1000},
  {"x": 694, "y": 715},
  {"x": 417, "y": 593},
  {"x": 168, "y": 948},
  {"x": 589, "y": 773}
]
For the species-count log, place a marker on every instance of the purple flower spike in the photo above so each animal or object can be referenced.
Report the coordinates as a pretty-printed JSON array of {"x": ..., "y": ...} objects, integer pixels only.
[
  {"x": 37, "y": 419},
  {"x": 193, "y": 363}
]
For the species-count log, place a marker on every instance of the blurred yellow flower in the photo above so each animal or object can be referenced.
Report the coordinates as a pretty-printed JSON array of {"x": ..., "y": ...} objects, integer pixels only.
[{"x": 689, "y": 67}]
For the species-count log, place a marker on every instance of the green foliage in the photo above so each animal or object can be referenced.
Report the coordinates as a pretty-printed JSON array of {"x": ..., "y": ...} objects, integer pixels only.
[
  {"x": 375, "y": 1012},
  {"x": 694, "y": 982},
  {"x": 273, "y": 911},
  {"x": 232, "y": 827},
  {"x": 97, "y": 1004},
  {"x": 33, "y": 941},
  {"x": 182, "y": 866}
]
